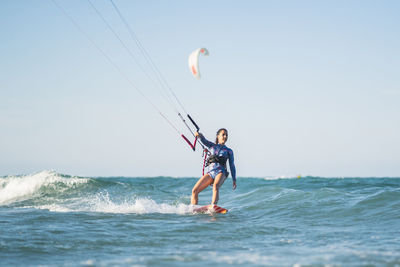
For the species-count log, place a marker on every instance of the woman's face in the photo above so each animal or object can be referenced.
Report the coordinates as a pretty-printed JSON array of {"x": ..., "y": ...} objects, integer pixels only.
[{"x": 222, "y": 137}]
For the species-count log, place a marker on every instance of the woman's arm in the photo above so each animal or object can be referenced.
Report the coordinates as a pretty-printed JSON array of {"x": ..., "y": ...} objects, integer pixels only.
[
  {"x": 204, "y": 140},
  {"x": 232, "y": 167}
]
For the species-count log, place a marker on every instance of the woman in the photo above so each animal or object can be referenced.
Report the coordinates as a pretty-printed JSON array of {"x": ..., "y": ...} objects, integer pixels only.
[{"x": 217, "y": 172}]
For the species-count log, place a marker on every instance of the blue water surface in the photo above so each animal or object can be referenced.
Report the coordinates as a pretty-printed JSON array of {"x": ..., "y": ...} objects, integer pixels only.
[{"x": 52, "y": 219}]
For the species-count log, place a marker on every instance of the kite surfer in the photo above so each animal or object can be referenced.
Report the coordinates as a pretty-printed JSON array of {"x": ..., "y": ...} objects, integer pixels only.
[{"x": 216, "y": 162}]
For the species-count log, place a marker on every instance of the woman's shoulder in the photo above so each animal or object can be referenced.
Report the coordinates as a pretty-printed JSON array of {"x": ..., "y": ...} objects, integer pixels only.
[{"x": 229, "y": 149}]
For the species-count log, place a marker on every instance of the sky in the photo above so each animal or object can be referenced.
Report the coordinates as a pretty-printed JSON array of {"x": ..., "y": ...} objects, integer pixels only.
[{"x": 303, "y": 87}]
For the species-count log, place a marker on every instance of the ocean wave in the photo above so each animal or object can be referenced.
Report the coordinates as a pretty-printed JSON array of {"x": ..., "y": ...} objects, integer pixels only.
[
  {"x": 286, "y": 196},
  {"x": 102, "y": 203},
  {"x": 18, "y": 188},
  {"x": 381, "y": 204},
  {"x": 63, "y": 193}
]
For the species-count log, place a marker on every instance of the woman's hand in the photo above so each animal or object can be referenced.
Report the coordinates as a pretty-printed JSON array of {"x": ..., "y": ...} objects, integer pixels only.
[
  {"x": 234, "y": 185},
  {"x": 197, "y": 134}
]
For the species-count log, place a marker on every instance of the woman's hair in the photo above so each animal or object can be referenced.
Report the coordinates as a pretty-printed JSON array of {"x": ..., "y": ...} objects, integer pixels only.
[{"x": 218, "y": 132}]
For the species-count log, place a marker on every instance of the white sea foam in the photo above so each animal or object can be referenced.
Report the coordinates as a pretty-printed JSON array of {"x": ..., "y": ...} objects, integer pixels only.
[
  {"x": 102, "y": 203},
  {"x": 16, "y": 188},
  {"x": 280, "y": 177},
  {"x": 242, "y": 258}
]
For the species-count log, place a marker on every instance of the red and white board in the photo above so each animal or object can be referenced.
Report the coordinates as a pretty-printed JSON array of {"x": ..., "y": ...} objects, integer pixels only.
[{"x": 210, "y": 209}]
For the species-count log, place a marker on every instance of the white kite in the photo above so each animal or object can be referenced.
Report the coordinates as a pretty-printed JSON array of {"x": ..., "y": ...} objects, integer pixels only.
[{"x": 194, "y": 61}]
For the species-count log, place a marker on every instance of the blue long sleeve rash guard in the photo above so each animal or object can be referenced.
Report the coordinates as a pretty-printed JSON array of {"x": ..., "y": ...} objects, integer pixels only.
[{"x": 221, "y": 151}]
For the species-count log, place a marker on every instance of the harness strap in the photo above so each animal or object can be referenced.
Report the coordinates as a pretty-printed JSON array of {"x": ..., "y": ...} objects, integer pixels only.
[{"x": 205, "y": 154}]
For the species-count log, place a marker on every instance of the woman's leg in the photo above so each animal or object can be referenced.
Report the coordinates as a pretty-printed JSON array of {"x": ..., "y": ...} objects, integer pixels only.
[
  {"x": 219, "y": 180},
  {"x": 202, "y": 183}
]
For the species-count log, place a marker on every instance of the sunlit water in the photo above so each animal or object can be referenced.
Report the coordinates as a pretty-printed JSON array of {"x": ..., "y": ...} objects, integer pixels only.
[{"x": 52, "y": 219}]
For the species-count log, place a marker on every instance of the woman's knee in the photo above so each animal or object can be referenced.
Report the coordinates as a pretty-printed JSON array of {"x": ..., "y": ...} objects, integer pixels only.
[
  {"x": 195, "y": 190},
  {"x": 217, "y": 184}
]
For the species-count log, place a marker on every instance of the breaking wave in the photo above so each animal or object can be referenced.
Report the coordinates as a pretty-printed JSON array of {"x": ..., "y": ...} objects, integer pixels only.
[{"x": 62, "y": 193}]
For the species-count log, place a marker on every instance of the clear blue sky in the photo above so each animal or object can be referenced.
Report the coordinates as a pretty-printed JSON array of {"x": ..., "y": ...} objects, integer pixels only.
[{"x": 304, "y": 87}]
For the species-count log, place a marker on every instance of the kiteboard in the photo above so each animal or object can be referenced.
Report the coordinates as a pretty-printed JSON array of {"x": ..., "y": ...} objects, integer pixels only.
[{"x": 210, "y": 209}]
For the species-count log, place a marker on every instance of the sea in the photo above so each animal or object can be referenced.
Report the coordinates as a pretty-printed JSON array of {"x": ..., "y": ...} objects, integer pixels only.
[{"x": 53, "y": 219}]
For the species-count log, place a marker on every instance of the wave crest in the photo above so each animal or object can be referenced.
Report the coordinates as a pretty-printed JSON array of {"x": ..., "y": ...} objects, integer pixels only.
[
  {"x": 102, "y": 203},
  {"x": 18, "y": 188}
]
